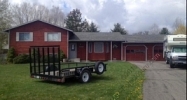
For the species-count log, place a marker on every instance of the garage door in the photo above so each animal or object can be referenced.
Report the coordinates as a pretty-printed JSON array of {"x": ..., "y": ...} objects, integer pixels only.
[
  {"x": 135, "y": 53},
  {"x": 158, "y": 50}
]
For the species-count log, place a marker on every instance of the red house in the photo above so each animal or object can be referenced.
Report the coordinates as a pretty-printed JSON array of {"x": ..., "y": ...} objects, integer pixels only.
[{"x": 88, "y": 46}]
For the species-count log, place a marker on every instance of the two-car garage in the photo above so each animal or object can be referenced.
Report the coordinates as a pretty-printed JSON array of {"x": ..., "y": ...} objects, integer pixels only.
[{"x": 143, "y": 52}]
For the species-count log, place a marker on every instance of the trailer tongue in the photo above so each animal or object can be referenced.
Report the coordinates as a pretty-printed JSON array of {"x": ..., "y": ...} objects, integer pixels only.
[{"x": 45, "y": 64}]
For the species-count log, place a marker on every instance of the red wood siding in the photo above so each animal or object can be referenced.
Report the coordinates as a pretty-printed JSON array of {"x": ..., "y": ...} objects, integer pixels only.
[
  {"x": 38, "y": 28},
  {"x": 81, "y": 50},
  {"x": 141, "y": 57},
  {"x": 158, "y": 53},
  {"x": 99, "y": 56},
  {"x": 116, "y": 51},
  {"x": 135, "y": 53}
]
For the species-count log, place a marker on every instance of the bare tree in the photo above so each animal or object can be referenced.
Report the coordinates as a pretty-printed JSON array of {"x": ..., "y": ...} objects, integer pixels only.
[
  {"x": 5, "y": 19},
  {"x": 154, "y": 29},
  {"x": 177, "y": 23},
  {"x": 26, "y": 12}
]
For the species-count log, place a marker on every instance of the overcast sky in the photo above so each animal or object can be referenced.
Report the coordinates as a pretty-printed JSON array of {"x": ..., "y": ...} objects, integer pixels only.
[{"x": 133, "y": 15}]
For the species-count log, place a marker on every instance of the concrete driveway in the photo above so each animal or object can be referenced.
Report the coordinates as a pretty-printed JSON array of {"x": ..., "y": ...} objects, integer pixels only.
[{"x": 163, "y": 82}]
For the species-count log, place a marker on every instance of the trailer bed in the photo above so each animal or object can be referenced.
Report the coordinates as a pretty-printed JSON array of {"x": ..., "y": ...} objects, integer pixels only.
[{"x": 45, "y": 63}]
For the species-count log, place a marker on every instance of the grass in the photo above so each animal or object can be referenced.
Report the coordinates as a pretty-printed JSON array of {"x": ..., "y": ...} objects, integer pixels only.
[{"x": 121, "y": 81}]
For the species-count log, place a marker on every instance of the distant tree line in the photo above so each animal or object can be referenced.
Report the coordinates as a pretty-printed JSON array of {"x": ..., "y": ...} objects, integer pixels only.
[{"x": 17, "y": 14}]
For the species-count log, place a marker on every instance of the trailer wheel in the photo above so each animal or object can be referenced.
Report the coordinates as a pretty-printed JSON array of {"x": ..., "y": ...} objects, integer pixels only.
[
  {"x": 85, "y": 76},
  {"x": 99, "y": 67}
]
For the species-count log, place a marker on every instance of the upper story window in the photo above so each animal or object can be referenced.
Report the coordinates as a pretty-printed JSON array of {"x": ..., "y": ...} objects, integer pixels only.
[
  {"x": 52, "y": 36},
  {"x": 24, "y": 36}
]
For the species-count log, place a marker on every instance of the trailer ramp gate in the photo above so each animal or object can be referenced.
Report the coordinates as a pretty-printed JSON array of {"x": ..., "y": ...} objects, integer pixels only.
[{"x": 45, "y": 63}]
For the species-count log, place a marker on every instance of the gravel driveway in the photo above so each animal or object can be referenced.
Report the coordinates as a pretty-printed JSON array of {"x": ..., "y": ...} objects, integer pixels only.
[{"x": 163, "y": 82}]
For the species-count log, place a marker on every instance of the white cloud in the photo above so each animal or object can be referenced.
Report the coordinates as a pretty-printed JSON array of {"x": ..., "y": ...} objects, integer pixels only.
[{"x": 134, "y": 15}]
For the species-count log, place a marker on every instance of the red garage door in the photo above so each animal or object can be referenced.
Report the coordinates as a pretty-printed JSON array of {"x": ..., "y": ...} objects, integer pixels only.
[
  {"x": 135, "y": 53},
  {"x": 158, "y": 53}
]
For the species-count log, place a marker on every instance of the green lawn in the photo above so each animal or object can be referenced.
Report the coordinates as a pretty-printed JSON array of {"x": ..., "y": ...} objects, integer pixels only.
[{"x": 121, "y": 81}]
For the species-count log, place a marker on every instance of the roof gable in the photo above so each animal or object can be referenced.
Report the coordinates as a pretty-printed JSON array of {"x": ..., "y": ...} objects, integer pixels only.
[{"x": 36, "y": 21}]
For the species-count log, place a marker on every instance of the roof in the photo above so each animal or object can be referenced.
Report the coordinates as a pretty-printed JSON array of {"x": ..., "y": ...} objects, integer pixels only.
[
  {"x": 145, "y": 38},
  {"x": 116, "y": 36},
  {"x": 35, "y": 21},
  {"x": 97, "y": 36}
]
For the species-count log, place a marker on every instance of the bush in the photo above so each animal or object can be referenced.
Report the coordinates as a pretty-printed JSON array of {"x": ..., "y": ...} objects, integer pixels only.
[
  {"x": 10, "y": 55},
  {"x": 21, "y": 59},
  {"x": 62, "y": 55}
]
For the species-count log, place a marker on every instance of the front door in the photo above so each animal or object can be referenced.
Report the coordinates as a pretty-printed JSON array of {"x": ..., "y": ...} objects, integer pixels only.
[{"x": 72, "y": 50}]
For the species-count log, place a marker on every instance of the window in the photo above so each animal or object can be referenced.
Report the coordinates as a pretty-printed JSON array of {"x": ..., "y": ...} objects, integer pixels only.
[
  {"x": 179, "y": 39},
  {"x": 72, "y": 47},
  {"x": 52, "y": 36},
  {"x": 24, "y": 36},
  {"x": 90, "y": 48},
  {"x": 98, "y": 47}
]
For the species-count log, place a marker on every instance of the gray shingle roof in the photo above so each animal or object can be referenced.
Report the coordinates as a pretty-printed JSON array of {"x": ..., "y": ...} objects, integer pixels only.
[
  {"x": 97, "y": 36},
  {"x": 144, "y": 38},
  {"x": 116, "y": 36}
]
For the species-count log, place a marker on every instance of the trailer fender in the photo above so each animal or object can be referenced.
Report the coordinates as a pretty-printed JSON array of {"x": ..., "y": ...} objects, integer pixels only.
[{"x": 100, "y": 67}]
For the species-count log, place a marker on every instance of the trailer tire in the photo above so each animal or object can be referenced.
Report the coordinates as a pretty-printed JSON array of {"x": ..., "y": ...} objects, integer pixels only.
[
  {"x": 99, "y": 67},
  {"x": 85, "y": 76}
]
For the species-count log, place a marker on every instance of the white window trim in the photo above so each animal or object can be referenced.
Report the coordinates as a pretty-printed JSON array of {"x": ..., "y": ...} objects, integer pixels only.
[
  {"x": 59, "y": 36},
  {"x": 101, "y": 47},
  {"x": 30, "y": 33}
]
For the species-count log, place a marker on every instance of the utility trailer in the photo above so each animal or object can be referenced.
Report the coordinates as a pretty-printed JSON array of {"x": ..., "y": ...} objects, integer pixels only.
[{"x": 45, "y": 64}]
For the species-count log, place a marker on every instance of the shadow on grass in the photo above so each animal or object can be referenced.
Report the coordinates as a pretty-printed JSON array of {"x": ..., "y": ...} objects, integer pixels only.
[{"x": 74, "y": 81}]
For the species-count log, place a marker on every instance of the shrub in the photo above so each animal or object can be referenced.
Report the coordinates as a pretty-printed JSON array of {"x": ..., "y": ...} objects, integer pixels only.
[
  {"x": 20, "y": 59},
  {"x": 62, "y": 55},
  {"x": 11, "y": 55}
]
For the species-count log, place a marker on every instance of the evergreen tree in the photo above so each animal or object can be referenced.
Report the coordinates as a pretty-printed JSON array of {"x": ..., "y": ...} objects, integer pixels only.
[
  {"x": 118, "y": 28},
  {"x": 74, "y": 21},
  {"x": 164, "y": 31},
  {"x": 93, "y": 28}
]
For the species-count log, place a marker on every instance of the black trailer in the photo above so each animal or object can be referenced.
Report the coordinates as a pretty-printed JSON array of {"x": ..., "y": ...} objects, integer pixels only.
[{"x": 45, "y": 64}]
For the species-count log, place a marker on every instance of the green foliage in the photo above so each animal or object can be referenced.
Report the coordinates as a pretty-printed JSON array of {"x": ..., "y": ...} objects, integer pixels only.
[
  {"x": 10, "y": 55},
  {"x": 164, "y": 31},
  {"x": 62, "y": 55},
  {"x": 118, "y": 28},
  {"x": 74, "y": 20},
  {"x": 21, "y": 59},
  {"x": 93, "y": 28},
  {"x": 118, "y": 82}
]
